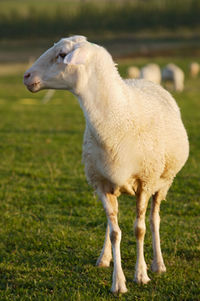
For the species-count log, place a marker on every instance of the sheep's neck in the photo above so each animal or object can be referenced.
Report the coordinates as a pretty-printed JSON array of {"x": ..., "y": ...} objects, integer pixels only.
[{"x": 104, "y": 104}]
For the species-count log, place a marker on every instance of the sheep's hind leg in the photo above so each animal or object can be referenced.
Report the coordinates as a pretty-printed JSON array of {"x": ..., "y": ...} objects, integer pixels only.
[
  {"x": 158, "y": 263},
  {"x": 111, "y": 207},
  {"x": 140, "y": 229},
  {"x": 106, "y": 253}
]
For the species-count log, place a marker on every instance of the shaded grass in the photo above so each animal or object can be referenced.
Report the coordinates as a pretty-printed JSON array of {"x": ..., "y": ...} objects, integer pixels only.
[{"x": 51, "y": 226}]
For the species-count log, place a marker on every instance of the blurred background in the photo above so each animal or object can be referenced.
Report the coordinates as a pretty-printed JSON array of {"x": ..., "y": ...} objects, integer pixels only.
[
  {"x": 126, "y": 27},
  {"x": 136, "y": 32}
]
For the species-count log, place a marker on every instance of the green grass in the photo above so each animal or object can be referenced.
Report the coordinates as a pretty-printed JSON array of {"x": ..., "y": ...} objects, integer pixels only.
[{"x": 51, "y": 226}]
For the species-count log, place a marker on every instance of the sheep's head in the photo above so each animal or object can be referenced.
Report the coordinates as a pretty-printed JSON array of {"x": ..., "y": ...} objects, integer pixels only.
[{"x": 57, "y": 67}]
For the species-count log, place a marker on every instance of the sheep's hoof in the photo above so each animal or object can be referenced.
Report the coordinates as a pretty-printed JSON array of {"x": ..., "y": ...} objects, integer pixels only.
[
  {"x": 103, "y": 262},
  {"x": 119, "y": 288},
  {"x": 141, "y": 278},
  {"x": 158, "y": 267},
  {"x": 118, "y": 283}
]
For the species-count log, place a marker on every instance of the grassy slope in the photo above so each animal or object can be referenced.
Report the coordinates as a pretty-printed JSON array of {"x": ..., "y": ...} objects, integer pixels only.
[{"x": 51, "y": 226}]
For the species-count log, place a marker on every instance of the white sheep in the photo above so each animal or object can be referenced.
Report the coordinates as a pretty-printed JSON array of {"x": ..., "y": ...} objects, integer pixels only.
[
  {"x": 134, "y": 141},
  {"x": 174, "y": 74},
  {"x": 48, "y": 96},
  {"x": 194, "y": 69},
  {"x": 133, "y": 72},
  {"x": 151, "y": 72}
]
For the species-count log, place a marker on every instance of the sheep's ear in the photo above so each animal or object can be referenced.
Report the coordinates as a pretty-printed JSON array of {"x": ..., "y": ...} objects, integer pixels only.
[
  {"x": 76, "y": 57},
  {"x": 78, "y": 39}
]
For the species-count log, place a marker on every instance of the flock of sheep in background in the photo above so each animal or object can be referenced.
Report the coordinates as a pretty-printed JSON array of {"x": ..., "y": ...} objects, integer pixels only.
[{"x": 170, "y": 73}]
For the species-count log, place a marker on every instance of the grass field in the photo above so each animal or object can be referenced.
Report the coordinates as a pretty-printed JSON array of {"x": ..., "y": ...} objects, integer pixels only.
[{"x": 52, "y": 228}]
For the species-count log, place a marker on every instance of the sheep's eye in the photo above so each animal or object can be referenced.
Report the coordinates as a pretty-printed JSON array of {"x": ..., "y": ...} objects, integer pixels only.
[{"x": 62, "y": 55}]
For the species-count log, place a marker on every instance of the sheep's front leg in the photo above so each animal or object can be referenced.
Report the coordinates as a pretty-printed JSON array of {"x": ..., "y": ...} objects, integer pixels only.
[
  {"x": 158, "y": 263},
  {"x": 111, "y": 207},
  {"x": 140, "y": 229},
  {"x": 106, "y": 253}
]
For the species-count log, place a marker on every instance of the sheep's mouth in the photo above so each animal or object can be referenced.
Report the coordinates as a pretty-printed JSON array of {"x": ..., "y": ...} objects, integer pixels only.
[{"x": 35, "y": 87}]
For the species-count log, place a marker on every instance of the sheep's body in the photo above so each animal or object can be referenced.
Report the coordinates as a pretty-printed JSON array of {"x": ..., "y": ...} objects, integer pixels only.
[
  {"x": 137, "y": 148},
  {"x": 134, "y": 141},
  {"x": 133, "y": 72},
  {"x": 152, "y": 73},
  {"x": 174, "y": 74},
  {"x": 194, "y": 69}
]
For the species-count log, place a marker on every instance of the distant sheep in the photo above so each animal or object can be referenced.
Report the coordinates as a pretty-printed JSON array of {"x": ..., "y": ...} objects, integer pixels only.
[
  {"x": 174, "y": 74},
  {"x": 48, "y": 96},
  {"x": 134, "y": 141},
  {"x": 151, "y": 72},
  {"x": 194, "y": 69},
  {"x": 133, "y": 72}
]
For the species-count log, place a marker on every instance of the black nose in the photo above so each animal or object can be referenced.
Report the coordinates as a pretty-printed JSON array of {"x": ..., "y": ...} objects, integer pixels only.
[{"x": 27, "y": 75}]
